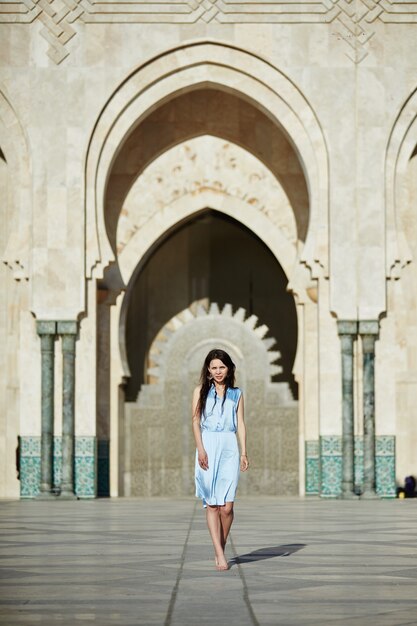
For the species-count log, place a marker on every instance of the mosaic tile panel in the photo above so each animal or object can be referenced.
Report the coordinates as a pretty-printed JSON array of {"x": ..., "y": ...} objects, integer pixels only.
[
  {"x": 331, "y": 466},
  {"x": 85, "y": 465},
  {"x": 385, "y": 466},
  {"x": 30, "y": 476},
  {"x": 30, "y": 466},
  {"x": 30, "y": 447},
  {"x": 85, "y": 446},
  {"x": 312, "y": 468},
  {"x": 85, "y": 477},
  {"x": 385, "y": 445}
]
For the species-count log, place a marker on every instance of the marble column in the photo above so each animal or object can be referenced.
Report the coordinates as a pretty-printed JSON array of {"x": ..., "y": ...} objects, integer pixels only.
[
  {"x": 369, "y": 333},
  {"x": 68, "y": 332},
  {"x": 347, "y": 332},
  {"x": 46, "y": 332}
]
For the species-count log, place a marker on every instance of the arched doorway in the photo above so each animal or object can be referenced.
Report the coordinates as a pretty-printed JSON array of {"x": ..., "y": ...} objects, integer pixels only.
[
  {"x": 284, "y": 222},
  {"x": 160, "y": 451},
  {"x": 215, "y": 258},
  {"x": 210, "y": 258}
]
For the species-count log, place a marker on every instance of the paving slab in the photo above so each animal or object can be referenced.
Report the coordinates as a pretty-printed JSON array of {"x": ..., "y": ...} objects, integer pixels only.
[{"x": 133, "y": 562}]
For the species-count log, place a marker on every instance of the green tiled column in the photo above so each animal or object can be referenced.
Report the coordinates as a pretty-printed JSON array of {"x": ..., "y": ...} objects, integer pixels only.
[
  {"x": 369, "y": 332},
  {"x": 358, "y": 463},
  {"x": 57, "y": 461},
  {"x": 68, "y": 331},
  {"x": 46, "y": 332},
  {"x": 347, "y": 332}
]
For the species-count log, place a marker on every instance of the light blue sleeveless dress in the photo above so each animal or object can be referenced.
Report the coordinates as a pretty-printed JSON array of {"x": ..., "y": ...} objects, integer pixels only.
[{"x": 218, "y": 424}]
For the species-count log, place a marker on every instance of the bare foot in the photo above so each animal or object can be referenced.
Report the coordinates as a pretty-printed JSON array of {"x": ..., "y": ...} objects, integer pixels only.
[{"x": 221, "y": 564}]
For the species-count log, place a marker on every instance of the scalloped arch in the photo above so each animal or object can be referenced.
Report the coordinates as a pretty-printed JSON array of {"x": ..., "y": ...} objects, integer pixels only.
[
  {"x": 201, "y": 314},
  {"x": 186, "y": 68},
  {"x": 161, "y": 413}
]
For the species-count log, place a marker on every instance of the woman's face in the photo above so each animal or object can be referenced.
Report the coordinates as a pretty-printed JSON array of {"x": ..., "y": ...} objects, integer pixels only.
[{"x": 218, "y": 370}]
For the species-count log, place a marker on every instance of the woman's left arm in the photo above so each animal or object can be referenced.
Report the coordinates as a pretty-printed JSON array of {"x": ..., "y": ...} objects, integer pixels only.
[{"x": 241, "y": 433}]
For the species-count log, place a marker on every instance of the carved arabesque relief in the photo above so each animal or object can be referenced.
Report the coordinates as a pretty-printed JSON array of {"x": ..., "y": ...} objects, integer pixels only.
[{"x": 201, "y": 164}]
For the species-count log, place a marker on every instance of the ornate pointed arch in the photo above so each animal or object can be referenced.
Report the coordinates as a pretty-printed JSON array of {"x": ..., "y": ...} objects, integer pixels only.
[{"x": 226, "y": 68}]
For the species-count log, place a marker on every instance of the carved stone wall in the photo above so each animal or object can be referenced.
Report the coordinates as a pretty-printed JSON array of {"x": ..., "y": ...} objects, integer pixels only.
[
  {"x": 207, "y": 163},
  {"x": 95, "y": 95},
  {"x": 353, "y": 22},
  {"x": 160, "y": 451}
]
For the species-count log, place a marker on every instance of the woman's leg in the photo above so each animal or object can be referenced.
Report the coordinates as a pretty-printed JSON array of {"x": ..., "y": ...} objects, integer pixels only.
[
  {"x": 226, "y": 520},
  {"x": 214, "y": 526}
]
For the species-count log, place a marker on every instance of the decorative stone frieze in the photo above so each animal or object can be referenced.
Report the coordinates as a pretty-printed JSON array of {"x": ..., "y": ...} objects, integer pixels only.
[{"x": 353, "y": 25}]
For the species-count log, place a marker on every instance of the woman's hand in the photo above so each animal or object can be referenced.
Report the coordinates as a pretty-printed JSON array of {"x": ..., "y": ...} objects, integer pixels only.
[
  {"x": 244, "y": 463},
  {"x": 203, "y": 459}
]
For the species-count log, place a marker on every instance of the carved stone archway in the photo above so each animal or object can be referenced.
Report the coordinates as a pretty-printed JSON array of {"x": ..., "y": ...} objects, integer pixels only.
[{"x": 226, "y": 68}]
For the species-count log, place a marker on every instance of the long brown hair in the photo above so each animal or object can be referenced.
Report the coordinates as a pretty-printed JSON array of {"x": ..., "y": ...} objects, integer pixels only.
[{"x": 206, "y": 381}]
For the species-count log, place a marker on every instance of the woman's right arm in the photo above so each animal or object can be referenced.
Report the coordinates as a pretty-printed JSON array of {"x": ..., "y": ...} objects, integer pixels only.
[{"x": 202, "y": 454}]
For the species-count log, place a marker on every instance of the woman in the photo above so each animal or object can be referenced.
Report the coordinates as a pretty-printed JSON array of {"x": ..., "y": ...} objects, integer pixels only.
[{"x": 217, "y": 415}]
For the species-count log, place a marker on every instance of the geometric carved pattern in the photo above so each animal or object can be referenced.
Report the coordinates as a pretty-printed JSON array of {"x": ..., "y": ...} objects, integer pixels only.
[
  {"x": 56, "y": 17},
  {"x": 351, "y": 16}
]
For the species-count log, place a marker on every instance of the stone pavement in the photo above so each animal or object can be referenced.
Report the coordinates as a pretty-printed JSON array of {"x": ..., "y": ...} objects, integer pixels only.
[{"x": 149, "y": 561}]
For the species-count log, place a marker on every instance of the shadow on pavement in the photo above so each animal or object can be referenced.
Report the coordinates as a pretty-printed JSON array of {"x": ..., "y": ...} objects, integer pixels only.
[{"x": 267, "y": 553}]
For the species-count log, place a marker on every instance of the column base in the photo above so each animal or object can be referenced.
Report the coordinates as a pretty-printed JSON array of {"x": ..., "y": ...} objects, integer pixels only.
[
  {"x": 349, "y": 495},
  {"x": 369, "y": 495},
  {"x": 67, "y": 495},
  {"x": 46, "y": 495}
]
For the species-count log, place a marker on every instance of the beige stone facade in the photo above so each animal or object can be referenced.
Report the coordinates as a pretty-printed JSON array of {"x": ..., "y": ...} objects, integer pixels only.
[{"x": 159, "y": 158}]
